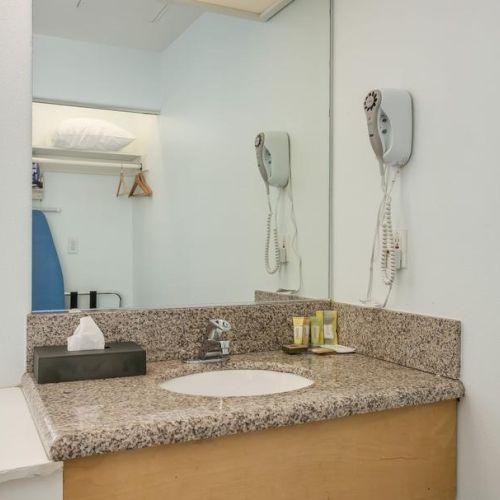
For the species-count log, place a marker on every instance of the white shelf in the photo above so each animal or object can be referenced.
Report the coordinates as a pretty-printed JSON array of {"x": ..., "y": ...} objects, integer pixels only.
[
  {"x": 86, "y": 162},
  {"x": 22, "y": 451}
]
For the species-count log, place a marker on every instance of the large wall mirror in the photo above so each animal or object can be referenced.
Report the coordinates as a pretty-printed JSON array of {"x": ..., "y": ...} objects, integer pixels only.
[{"x": 180, "y": 152}]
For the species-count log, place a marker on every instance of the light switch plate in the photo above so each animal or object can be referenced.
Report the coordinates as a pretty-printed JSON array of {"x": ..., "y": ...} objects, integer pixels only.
[{"x": 73, "y": 245}]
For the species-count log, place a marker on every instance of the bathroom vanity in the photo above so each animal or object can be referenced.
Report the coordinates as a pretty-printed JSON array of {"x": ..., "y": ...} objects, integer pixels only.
[
  {"x": 130, "y": 439},
  {"x": 378, "y": 424}
]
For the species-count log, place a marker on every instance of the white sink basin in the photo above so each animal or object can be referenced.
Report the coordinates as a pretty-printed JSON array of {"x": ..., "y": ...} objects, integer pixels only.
[{"x": 226, "y": 383}]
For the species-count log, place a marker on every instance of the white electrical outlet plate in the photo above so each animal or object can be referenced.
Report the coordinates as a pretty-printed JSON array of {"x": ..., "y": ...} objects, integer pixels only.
[
  {"x": 401, "y": 239},
  {"x": 284, "y": 252}
]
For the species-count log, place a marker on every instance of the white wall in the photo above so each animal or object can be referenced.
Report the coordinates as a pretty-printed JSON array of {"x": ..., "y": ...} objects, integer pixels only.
[
  {"x": 446, "y": 53},
  {"x": 91, "y": 212},
  {"x": 224, "y": 80},
  {"x": 15, "y": 201},
  {"x": 70, "y": 70}
]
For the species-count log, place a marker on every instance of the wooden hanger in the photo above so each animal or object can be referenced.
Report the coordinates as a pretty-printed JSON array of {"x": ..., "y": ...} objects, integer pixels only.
[
  {"x": 123, "y": 184},
  {"x": 140, "y": 182}
]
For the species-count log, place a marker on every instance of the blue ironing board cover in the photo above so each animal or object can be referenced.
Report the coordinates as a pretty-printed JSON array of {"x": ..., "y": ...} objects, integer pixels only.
[{"x": 47, "y": 291}]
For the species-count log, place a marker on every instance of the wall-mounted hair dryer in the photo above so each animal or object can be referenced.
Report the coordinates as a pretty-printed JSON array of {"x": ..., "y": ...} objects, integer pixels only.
[
  {"x": 390, "y": 125},
  {"x": 273, "y": 158},
  {"x": 389, "y": 115}
]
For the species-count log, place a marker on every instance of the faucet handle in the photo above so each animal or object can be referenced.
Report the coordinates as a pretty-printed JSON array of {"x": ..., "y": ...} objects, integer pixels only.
[
  {"x": 221, "y": 324},
  {"x": 216, "y": 327}
]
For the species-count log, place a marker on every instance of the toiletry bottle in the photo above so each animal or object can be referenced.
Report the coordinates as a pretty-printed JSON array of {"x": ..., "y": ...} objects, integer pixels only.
[
  {"x": 306, "y": 331},
  {"x": 320, "y": 316},
  {"x": 315, "y": 331},
  {"x": 298, "y": 329},
  {"x": 330, "y": 327}
]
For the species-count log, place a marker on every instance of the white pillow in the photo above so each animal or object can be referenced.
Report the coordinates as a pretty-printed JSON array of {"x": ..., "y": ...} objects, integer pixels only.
[{"x": 91, "y": 134}]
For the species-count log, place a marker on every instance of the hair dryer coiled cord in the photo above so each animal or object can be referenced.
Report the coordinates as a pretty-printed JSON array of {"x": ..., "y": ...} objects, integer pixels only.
[
  {"x": 275, "y": 241},
  {"x": 277, "y": 258},
  {"x": 388, "y": 251},
  {"x": 384, "y": 231}
]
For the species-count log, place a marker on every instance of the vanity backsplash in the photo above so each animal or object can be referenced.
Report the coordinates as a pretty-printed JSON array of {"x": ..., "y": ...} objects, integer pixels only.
[
  {"x": 422, "y": 342},
  {"x": 426, "y": 343},
  {"x": 178, "y": 333}
]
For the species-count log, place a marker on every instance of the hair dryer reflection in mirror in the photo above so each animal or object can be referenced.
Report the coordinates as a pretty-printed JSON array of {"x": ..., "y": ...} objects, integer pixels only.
[{"x": 273, "y": 160}]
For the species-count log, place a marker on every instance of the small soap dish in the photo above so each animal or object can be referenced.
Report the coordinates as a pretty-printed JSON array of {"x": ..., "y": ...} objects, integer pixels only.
[
  {"x": 339, "y": 349},
  {"x": 294, "y": 349}
]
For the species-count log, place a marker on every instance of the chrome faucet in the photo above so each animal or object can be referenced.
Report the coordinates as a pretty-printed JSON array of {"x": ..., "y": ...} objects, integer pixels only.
[{"x": 214, "y": 348}]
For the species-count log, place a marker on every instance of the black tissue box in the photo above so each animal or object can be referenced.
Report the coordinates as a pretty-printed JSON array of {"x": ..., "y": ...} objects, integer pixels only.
[{"x": 118, "y": 359}]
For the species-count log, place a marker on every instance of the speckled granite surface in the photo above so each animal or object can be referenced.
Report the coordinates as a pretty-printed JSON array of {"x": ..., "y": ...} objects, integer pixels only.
[
  {"x": 177, "y": 333},
  {"x": 77, "y": 419},
  {"x": 423, "y": 342},
  {"x": 265, "y": 296},
  {"x": 426, "y": 343}
]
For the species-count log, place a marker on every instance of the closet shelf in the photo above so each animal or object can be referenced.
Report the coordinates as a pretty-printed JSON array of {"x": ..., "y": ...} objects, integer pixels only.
[{"x": 86, "y": 162}]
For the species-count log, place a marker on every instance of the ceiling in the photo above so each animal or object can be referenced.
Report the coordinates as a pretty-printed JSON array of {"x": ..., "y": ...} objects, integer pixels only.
[
  {"x": 140, "y": 24},
  {"x": 255, "y": 6},
  {"x": 255, "y": 9}
]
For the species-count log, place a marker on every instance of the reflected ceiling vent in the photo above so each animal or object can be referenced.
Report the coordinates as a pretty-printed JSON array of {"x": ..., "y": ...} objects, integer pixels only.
[{"x": 261, "y": 10}]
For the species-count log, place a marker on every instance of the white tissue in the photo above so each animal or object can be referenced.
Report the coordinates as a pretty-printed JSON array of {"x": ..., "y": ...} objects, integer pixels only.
[{"x": 87, "y": 336}]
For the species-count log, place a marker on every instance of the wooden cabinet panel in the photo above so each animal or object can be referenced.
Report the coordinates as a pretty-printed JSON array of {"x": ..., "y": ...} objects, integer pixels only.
[{"x": 404, "y": 454}]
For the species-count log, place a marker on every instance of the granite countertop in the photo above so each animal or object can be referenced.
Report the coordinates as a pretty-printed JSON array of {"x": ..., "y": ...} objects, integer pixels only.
[{"x": 77, "y": 419}]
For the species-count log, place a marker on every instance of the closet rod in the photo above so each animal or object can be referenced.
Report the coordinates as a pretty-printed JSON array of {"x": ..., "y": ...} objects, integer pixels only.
[{"x": 49, "y": 209}]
